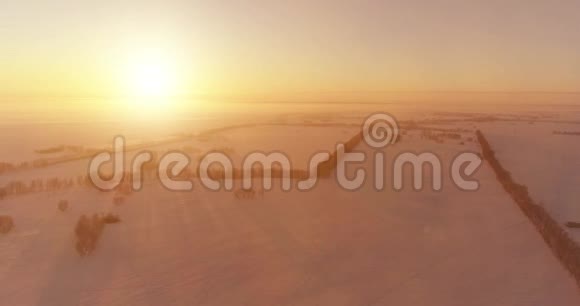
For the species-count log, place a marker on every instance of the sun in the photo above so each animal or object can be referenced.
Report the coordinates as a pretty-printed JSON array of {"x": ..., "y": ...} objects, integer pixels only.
[
  {"x": 151, "y": 79},
  {"x": 151, "y": 76},
  {"x": 150, "y": 83}
]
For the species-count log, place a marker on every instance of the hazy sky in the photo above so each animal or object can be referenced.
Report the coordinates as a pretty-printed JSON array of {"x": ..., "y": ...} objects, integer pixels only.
[{"x": 254, "y": 47}]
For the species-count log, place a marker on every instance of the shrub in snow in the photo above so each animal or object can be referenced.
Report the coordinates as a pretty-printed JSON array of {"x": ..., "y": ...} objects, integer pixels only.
[
  {"x": 245, "y": 194},
  {"x": 6, "y": 224},
  {"x": 110, "y": 218},
  {"x": 63, "y": 205},
  {"x": 89, "y": 229},
  {"x": 118, "y": 200}
]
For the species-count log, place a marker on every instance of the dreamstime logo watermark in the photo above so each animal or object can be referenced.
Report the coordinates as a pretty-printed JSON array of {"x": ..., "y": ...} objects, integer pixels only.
[{"x": 216, "y": 171}]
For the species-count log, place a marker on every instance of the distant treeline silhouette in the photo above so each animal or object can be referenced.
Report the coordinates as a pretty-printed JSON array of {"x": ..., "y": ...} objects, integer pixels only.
[
  {"x": 324, "y": 169},
  {"x": 51, "y": 150},
  {"x": 210, "y": 132},
  {"x": 150, "y": 169},
  {"x": 439, "y": 137},
  {"x": 18, "y": 187},
  {"x": 80, "y": 153},
  {"x": 37, "y": 163},
  {"x": 563, "y": 246},
  {"x": 566, "y": 133}
]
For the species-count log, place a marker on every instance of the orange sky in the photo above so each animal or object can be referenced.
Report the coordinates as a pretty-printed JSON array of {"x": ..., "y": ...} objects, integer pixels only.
[{"x": 285, "y": 47}]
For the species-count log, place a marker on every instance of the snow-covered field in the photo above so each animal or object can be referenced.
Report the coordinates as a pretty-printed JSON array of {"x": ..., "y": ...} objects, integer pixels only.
[
  {"x": 327, "y": 246},
  {"x": 547, "y": 163}
]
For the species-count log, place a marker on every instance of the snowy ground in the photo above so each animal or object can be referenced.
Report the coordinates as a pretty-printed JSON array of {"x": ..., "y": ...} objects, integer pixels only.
[
  {"x": 326, "y": 246},
  {"x": 545, "y": 162}
]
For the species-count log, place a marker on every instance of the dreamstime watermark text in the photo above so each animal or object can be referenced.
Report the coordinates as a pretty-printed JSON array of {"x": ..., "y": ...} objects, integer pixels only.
[{"x": 216, "y": 171}]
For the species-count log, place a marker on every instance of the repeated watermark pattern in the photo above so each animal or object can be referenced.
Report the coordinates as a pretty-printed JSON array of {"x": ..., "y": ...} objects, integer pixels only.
[{"x": 215, "y": 170}]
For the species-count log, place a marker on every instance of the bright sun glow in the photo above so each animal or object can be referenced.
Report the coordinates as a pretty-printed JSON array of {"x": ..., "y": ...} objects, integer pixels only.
[{"x": 151, "y": 81}]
